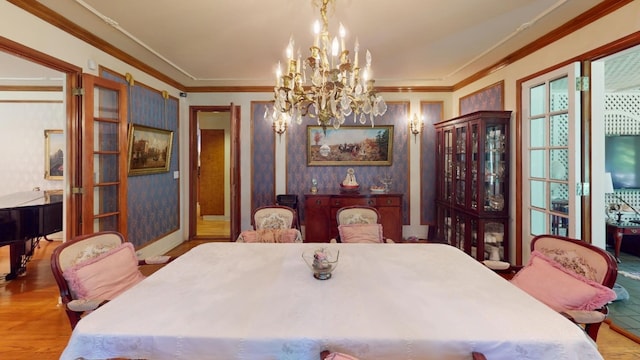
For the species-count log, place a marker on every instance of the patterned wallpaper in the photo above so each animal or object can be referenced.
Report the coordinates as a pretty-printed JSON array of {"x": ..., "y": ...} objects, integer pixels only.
[
  {"x": 263, "y": 175},
  {"x": 489, "y": 98},
  {"x": 432, "y": 112},
  {"x": 22, "y": 144},
  {"x": 153, "y": 200}
]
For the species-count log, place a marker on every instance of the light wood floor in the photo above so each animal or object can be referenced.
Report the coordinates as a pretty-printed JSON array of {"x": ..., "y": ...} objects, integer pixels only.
[
  {"x": 215, "y": 229},
  {"x": 33, "y": 326}
]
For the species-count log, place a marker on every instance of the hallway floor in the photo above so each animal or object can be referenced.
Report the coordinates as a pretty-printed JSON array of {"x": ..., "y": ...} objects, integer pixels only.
[{"x": 626, "y": 313}]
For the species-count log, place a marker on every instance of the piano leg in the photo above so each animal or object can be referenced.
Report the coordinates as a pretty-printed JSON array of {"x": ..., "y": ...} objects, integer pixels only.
[{"x": 16, "y": 254}]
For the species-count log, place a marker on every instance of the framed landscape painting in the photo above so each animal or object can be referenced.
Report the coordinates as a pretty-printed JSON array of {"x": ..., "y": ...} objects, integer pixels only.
[
  {"x": 350, "y": 145},
  {"x": 149, "y": 150},
  {"x": 54, "y": 144}
]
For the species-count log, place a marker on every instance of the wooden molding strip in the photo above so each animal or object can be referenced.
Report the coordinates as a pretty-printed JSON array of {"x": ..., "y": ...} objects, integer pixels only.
[
  {"x": 30, "y": 88},
  {"x": 37, "y": 9}
]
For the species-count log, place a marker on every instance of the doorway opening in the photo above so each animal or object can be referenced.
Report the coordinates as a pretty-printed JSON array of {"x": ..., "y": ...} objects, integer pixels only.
[
  {"x": 213, "y": 180},
  {"x": 212, "y": 157}
]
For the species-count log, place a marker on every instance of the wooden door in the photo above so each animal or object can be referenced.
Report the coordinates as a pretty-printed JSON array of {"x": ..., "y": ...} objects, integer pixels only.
[{"x": 212, "y": 169}]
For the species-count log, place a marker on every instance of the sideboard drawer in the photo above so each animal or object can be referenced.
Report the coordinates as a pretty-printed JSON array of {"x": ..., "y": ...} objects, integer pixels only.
[
  {"x": 338, "y": 202},
  {"x": 318, "y": 201},
  {"x": 388, "y": 201}
]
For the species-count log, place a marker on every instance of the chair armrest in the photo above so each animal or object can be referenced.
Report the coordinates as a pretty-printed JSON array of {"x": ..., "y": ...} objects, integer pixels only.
[
  {"x": 585, "y": 316},
  {"x": 155, "y": 260},
  {"x": 83, "y": 305},
  {"x": 502, "y": 268}
]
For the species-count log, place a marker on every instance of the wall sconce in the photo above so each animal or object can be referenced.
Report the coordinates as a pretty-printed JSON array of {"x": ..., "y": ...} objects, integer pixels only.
[
  {"x": 279, "y": 121},
  {"x": 416, "y": 125}
]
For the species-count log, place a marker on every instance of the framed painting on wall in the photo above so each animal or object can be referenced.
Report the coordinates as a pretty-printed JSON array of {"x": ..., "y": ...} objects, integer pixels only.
[
  {"x": 54, "y": 144},
  {"x": 149, "y": 150},
  {"x": 350, "y": 145}
]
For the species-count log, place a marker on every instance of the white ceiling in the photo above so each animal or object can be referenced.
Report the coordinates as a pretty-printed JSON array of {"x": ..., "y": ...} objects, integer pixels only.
[{"x": 240, "y": 42}]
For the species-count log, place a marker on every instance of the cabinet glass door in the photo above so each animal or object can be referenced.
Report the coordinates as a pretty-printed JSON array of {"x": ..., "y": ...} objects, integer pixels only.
[
  {"x": 494, "y": 167},
  {"x": 447, "y": 185},
  {"x": 474, "y": 159},
  {"x": 461, "y": 165}
]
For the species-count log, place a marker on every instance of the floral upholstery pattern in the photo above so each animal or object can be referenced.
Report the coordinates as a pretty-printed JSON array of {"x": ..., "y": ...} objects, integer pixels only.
[
  {"x": 273, "y": 218},
  {"x": 270, "y": 236},
  {"x": 273, "y": 221},
  {"x": 357, "y": 216},
  {"x": 91, "y": 252},
  {"x": 571, "y": 260}
]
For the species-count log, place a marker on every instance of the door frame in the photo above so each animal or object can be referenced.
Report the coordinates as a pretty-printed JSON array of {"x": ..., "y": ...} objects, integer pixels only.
[
  {"x": 73, "y": 111},
  {"x": 234, "y": 166},
  {"x": 593, "y": 55}
]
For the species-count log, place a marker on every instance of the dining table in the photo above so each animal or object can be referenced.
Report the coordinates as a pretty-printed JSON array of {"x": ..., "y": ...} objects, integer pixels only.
[{"x": 383, "y": 302}]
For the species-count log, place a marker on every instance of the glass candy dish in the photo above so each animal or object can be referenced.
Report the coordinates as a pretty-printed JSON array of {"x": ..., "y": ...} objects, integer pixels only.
[{"x": 321, "y": 261}]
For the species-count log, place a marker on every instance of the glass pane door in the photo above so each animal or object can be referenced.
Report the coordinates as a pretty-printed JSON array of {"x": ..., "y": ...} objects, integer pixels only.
[
  {"x": 550, "y": 149},
  {"x": 104, "y": 165}
]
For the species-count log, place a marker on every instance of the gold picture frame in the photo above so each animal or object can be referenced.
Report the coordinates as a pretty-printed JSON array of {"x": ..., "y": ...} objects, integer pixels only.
[
  {"x": 350, "y": 145},
  {"x": 149, "y": 150},
  {"x": 54, "y": 144}
]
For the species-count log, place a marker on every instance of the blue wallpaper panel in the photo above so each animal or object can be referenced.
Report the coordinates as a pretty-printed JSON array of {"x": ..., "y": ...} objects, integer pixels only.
[
  {"x": 489, "y": 98},
  {"x": 263, "y": 175},
  {"x": 153, "y": 200},
  {"x": 432, "y": 112},
  {"x": 299, "y": 175}
]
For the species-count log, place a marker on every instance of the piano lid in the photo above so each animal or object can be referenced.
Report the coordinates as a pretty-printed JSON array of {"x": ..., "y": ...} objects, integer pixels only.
[{"x": 26, "y": 198}]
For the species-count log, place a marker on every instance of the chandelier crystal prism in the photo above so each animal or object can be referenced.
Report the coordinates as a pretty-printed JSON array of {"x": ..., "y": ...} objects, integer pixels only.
[{"x": 338, "y": 86}]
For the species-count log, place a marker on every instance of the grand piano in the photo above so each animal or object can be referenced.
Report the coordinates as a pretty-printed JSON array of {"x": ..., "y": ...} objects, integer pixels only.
[{"x": 25, "y": 218}]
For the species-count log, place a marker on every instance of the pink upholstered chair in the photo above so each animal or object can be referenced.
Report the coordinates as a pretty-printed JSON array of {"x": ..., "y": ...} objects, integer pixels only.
[
  {"x": 93, "y": 269},
  {"x": 274, "y": 217},
  {"x": 328, "y": 355},
  {"x": 572, "y": 277},
  {"x": 359, "y": 224},
  {"x": 272, "y": 224}
]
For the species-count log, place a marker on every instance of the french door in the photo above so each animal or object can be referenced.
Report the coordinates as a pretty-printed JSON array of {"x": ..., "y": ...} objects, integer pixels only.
[
  {"x": 103, "y": 187},
  {"x": 551, "y": 155}
]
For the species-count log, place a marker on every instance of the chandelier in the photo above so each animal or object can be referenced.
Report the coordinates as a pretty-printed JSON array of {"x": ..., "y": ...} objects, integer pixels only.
[{"x": 338, "y": 86}]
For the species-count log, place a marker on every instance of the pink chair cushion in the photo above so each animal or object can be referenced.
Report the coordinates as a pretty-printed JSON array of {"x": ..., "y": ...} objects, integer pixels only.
[
  {"x": 560, "y": 288},
  {"x": 270, "y": 235},
  {"x": 105, "y": 276},
  {"x": 361, "y": 233}
]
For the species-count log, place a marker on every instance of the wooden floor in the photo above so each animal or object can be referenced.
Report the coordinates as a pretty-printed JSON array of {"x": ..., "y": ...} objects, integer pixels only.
[
  {"x": 33, "y": 326},
  {"x": 214, "y": 229}
]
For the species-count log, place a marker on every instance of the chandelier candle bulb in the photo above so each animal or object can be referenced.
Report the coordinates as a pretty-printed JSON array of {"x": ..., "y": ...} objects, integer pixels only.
[
  {"x": 356, "y": 48},
  {"x": 316, "y": 31}
]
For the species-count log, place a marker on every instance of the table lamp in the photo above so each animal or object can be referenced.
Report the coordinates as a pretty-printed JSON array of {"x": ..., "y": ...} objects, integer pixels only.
[{"x": 608, "y": 189}]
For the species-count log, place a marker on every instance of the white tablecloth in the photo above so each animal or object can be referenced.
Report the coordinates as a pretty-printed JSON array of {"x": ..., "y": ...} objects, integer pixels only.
[{"x": 384, "y": 301}]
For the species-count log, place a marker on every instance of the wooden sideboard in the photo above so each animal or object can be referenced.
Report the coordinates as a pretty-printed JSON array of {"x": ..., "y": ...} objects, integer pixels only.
[{"x": 320, "y": 211}]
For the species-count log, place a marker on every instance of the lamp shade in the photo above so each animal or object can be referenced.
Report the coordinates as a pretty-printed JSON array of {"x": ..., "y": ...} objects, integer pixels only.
[{"x": 608, "y": 183}]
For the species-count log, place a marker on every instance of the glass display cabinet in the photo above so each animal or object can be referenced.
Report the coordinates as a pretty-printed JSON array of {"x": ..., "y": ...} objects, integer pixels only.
[{"x": 472, "y": 164}]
